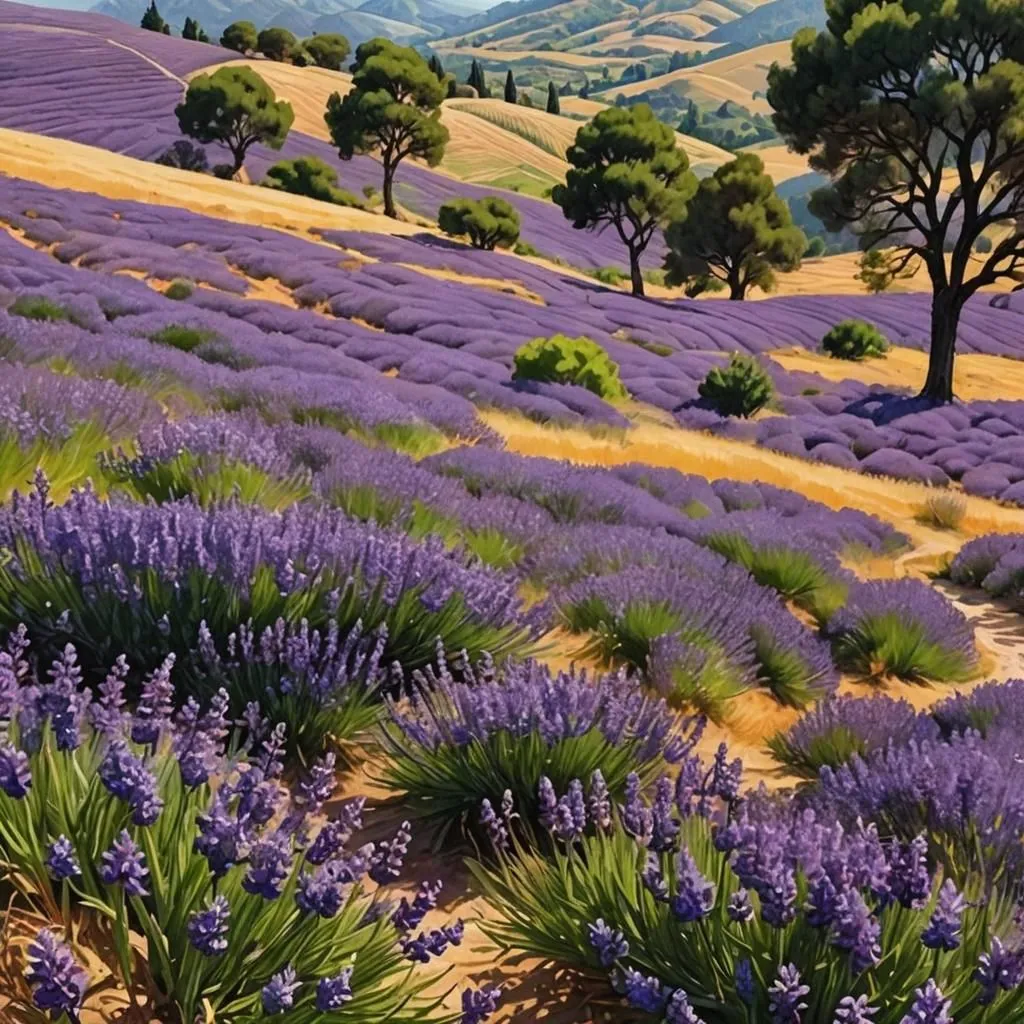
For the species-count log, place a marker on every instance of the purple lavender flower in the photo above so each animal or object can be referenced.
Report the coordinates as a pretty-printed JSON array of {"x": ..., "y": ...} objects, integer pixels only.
[
  {"x": 321, "y": 892},
  {"x": 107, "y": 714},
  {"x": 61, "y": 861},
  {"x": 278, "y": 995},
  {"x": 854, "y": 1011},
  {"x": 389, "y": 855},
  {"x": 726, "y": 776},
  {"x": 910, "y": 881},
  {"x": 15, "y": 775},
  {"x": 270, "y": 862},
  {"x": 785, "y": 995},
  {"x": 745, "y": 982},
  {"x": 126, "y": 777},
  {"x": 599, "y": 804},
  {"x": 643, "y": 992},
  {"x": 634, "y": 814},
  {"x": 695, "y": 895},
  {"x": 478, "y": 1004},
  {"x": 664, "y": 826},
  {"x": 410, "y": 915},
  {"x": 58, "y": 983},
  {"x": 62, "y": 701},
  {"x": 857, "y": 931},
  {"x": 547, "y": 802},
  {"x": 320, "y": 786},
  {"x": 208, "y": 929},
  {"x": 739, "y": 907},
  {"x": 337, "y": 832},
  {"x": 943, "y": 930},
  {"x": 654, "y": 879},
  {"x": 334, "y": 992},
  {"x": 929, "y": 1006},
  {"x": 495, "y": 827},
  {"x": 222, "y": 839},
  {"x": 124, "y": 864},
  {"x": 432, "y": 943},
  {"x": 156, "y": 704},
  {"x": 610, "y": 945},
  {"x": 679, "y": 1010},
  {"x": 997, "y": 969}
]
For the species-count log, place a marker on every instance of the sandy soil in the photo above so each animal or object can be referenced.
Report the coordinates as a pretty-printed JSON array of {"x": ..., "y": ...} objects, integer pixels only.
[{"x": 978, "y": 378}]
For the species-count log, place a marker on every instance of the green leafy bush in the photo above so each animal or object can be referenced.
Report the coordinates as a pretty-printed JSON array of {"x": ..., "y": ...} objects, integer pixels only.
[
  {"x": 855, "y": 340},
  {"x": 564, "y": 360},
  {"x": 39, "y": 307},
  {"x": 309, "y": 176},
  {"x": 183, "y": 337},
  {"x": 739, "y": 389},
  {"x": 180, "y": 288},
  {"x": 489, "y": 223}
]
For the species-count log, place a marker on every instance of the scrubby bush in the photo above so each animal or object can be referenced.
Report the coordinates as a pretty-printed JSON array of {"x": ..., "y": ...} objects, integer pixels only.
[
  {"x": 490, "y": 222},
  {"x": 309, "y": 176},
  {"x": 740, "y": 388},
  {"x": 327, "y": 50},
  {"x": 192, "y": 860},
  {"x": 490, "y": 735},
  {"x": 943, "y": 511},
  {"x": 525, "y": 249},
  {"x": 180, "y": 288},
  {"x": 855, "y": 340},
  {"x": 38, "y": 307},
  {"x": 240, "y": 36},
  {"x": 564, "y": 360},
  {"x": 183, "y": 337},
  {"x": 903, "y": 628},
  {"x": 276, "y": 43},
  {"x": 185, "y": 155},
  {"x": 697, "y": 908}
]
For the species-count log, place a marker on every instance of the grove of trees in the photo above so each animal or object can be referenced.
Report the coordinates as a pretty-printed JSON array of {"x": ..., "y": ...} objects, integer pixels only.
[
  {"x": 491, "y": 222},
  {"x": 393, "y": 110}
]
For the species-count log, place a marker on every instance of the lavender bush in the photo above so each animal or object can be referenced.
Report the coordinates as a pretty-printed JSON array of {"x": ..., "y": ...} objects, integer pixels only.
[
  {"x": 139, "y": 816},
  {"x": 489, "y": 736},
  {"x": 701, "y": 908},
  {"x": 995, "y": 563}
]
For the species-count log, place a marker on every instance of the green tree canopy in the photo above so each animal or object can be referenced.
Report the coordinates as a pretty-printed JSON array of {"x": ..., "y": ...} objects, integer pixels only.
[
  {"x": 236, "y": 108},
  {"x": 393, "y": 109},
  {"x": 152, "y": 20},
  {"x": 511, "y": 92},
  {"x": 309, "y": 176},
  {"x": 489, "y": 222},
  {"x": 554, "y": 106},
  {"x": 736, "y": 231},
  {"x": 436, "y": 66},
  {"x": 915, "y": 110},
  {"x": 477, "y": 80},
  {"x": 277, "y": 43},
  {"x": 193, "y": 30},
  {"x": 626, "y": 172},
  {"x": 240, "y": 36},
  {"x": 329, "y": 50}
]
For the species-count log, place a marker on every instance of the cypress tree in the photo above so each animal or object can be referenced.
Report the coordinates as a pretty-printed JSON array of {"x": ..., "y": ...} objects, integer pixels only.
[
  {"x": 511, "y": 93},
  {"x": 151, "y": 19},
  {"x": 554, "y": 107},
  {"x": 436, "y": 66}
]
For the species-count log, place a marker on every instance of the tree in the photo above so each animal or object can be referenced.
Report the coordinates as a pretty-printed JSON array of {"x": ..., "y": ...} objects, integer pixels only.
[
  {"x": 554, "y": 107},
  {"x": 436, "y": 66},
  {"x": 240, "y": 36},
  {"x": 309, "y": 176},
  {"x": 236, "y": 108},
  {"x": 329, "y": 50},
  {"x": 736, "y": 230},
  {"x": 488, "y": 222},
  {"x": 152, "y": 20},
  {"x": 914, "y": 109},
  {"x": 193, "y": 30},
  {"x": 276, "y": 43},
  {"x": 511, "y": 93},
  {"x": 627, "y": 172},
  {"x": 477, "y": 80},
  {"x": 878, "y": 269},
  {"x": 691, "y": 122},
  {"x": 393, "y": 109}
]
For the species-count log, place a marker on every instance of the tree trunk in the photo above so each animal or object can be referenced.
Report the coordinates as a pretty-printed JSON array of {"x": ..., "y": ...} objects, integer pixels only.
[
  {"x": 389, "y": 200},
  {"x": 946, "y": 307},
  {"x": 635, "y": 277},
  {"x": 737, "y": 290}
]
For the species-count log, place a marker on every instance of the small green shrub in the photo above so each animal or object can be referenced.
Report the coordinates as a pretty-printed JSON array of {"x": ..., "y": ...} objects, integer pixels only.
[
  {"x": 309, "y": 176},
  {"x": 489, "y": 223},
  {"x": 855, "y": 340},
  {"x": 183, "y": 337},
  {"x": 609, "y": 275},
  {"x": 180, "y": 288},
  {"x": 943, "y": 511},
  {"x": 525, "y": 249},
  {"x": 738, "y": 389},
  {"x": 578, "y": 361},
  {"x": 38, "y": 307}
]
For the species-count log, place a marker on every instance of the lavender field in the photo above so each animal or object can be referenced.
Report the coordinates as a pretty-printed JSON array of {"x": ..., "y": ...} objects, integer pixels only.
[{"x": 325, "y": 697}]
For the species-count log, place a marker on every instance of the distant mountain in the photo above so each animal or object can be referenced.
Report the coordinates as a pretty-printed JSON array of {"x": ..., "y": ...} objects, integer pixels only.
[
  {"x": 770, "y": 23},
  {"x": 405, "y": 21}
]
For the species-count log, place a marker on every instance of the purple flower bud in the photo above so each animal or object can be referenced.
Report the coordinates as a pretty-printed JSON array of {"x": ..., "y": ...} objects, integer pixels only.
[
  {"x": 854, "y": 1011},
  {"x": 785, "y": 995},
  {"x": 745, "y": 982},
  {"x": 410, "y": 915},
  {"x": 127, "y": 777},
  {"x": 389, "y": 856},
  {"x": 599, "y": 802},
  {"x": 547, "y": 802},
  {"x": 695, "y": 895},
  {"x": 333, "y": 993},
  {"x": 679, "y": 1010},
  {"x": 156, "y": 704},
  {"x": 610, "y": 945},
  {"x": 208, "y": 929},
  {"x": 857, "y": 931},
  {"x": 496, "y": 831},
  {"x": 478, "y": 1004},
  {"x": 278, "y": 995},
  {"x": 929, "y": 1006},
  {"x": 739, "y": 907},
  {"x": 943, "y": 931},
  {"x": 270, "y": 862},
  {"x": 997, "y": 969},
  {"x": 653, "y": 878},
  {"x": 320, "y": 786},
  {"x": 15, "y": 776},
  {"x": 124, "y": 864},
  {"x": 321, "y": 892},
  {"x": 643, "y": 992},
  {"x": 61, "y": 861},
  {"x": 58, "y": 983}
]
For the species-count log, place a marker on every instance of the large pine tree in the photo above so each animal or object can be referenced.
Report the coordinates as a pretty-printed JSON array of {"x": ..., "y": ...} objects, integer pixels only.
[
  {"x": 511, "y": 93},
  {"x": 153, "y": 21},
  {"x": 554, "y": 107}
]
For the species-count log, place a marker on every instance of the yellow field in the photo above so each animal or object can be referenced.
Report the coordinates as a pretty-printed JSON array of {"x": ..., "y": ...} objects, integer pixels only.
[
  {"x": 558, "y": 58},
  {"x": 780, "y": 163},
  {"x": 734, "y": 78},
  {"x": 668, "y": 44}
]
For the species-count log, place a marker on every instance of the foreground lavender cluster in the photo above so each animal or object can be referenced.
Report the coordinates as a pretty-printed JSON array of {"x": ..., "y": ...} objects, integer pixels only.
[
  {"x": 995, "y": 563},
  {"x": 199, "y": 840}
]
